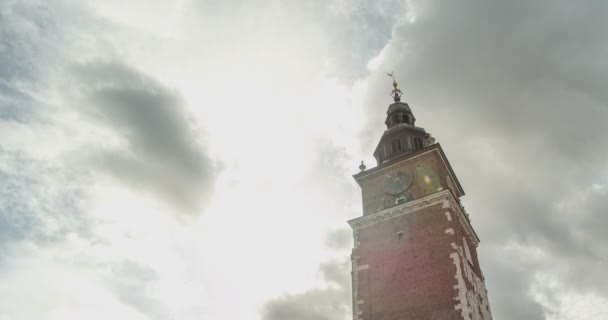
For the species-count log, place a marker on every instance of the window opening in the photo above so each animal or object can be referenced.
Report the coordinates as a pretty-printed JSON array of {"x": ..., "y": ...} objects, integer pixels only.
[
  {"x": 396, "y": 145},
  {"x": 417, "y": 143}
]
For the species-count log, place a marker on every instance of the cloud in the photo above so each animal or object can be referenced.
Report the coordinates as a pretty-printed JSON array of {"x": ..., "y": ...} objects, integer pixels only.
[
  {"x": 335, "y": 37},
  {"x": 513, "y": 93},
  {"x": 508, "y": 279},
  {"x": 40, "y": 201},
  {"x": 331, "y": 302},
  {"x": 73, "y": 242},
  {"x": 340, "y": 239},
  {"x": 67, "y": 257},
  {"x": 55, "y": 288},
  {"x": 161, "y": 151},
  {"x": 93, "y": 91}
]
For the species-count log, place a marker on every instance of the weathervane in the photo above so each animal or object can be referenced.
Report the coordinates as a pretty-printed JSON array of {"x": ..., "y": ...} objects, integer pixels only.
[{"x": 396, "y": 93}]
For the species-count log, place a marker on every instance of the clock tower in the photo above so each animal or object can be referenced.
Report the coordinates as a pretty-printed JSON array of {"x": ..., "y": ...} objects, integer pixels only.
[{"x": 414, "y": 255}]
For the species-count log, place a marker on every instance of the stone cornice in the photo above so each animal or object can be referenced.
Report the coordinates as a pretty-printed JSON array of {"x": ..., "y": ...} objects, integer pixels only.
[
  {"x": 433, "y": 148},
  {"x": 443, "y": 196},
  {"x": 463, "y": 218}
]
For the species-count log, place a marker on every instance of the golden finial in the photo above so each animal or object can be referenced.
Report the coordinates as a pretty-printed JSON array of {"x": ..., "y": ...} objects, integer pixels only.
[{"x": 396, "y": 93}]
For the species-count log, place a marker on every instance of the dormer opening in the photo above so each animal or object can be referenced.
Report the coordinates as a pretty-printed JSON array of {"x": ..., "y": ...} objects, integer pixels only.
[
  {"x": 396, "y": 119},
  {"x": 396, "y": 146},
  {"x": 417, "y": 143}
]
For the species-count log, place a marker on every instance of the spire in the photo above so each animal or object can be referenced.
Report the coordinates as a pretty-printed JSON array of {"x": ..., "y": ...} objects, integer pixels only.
[
  {"x": 401, "y": 136},
  {"x": 396, "y": 93}
]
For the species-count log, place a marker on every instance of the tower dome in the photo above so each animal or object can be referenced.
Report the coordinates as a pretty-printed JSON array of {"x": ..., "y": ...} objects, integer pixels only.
[{"x": 401, "y": 136}]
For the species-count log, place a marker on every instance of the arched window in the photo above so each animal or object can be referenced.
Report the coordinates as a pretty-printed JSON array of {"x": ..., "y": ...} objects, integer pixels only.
[
  {"x": 396, "y": 145},
  {"x": 408, "y": 119},
  {"x": 417, "y": 143}
]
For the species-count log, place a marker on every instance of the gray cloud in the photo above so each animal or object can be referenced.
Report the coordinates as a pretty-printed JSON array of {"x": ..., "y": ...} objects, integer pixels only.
[
  {"x": 508, "y": 284},
  {"x": 329, "y": 175},
  {"x": 46, "y": 171},
  {"x": 513, "y": 92},
  {"x": 163, "y": 154},
  {"x": 332, "y": 302}
]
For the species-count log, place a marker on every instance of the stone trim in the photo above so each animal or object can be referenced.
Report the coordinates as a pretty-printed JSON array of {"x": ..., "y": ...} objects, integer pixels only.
[
  {"x": 433, "y": 148},
  {"x": 445, "y": 197},
  {"x": 472, "y": 303},
  {"x": 355, "y": 289}
]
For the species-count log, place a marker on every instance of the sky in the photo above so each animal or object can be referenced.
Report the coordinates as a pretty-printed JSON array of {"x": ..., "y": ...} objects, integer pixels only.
[{"x": 193, "y": 159}]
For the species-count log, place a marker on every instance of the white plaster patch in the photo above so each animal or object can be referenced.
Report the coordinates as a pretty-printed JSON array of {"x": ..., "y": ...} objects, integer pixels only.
[
  {"x": 449, "y": 230},
  {"x": 363, "y": 267},
  {"x": 446, "y": 204},
  {"x": 467, "y": 252},
  {"x": 355, "y": 277},
  {"x": 461, "y": 296},
  {"x": 472, "y": 303},
  {"x": 401, "y": 199},
  {"x": 400, "y": 235},
  {"x": 356, "y": 238},
  {"x": 448, "y": 215}
]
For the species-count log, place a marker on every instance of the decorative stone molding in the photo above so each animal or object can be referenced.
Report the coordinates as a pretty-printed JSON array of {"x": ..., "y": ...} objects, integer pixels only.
[
  {"x": 433, "y": 148},
  {"x": 472, "y": 303},
  {"x": 445, "y": 197},
  {"x": 355, "y": 281}
]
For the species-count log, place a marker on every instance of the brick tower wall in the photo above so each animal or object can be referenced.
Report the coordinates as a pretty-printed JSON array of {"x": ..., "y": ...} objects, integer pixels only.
[{"x": 416, "y": 260}]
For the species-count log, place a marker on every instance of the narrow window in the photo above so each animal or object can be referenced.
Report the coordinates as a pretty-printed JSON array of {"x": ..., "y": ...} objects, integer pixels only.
[
  {"x": 400, "y": 235},
  {"x": 417, "y": 143},
  {"x": 396, "y": 146}
]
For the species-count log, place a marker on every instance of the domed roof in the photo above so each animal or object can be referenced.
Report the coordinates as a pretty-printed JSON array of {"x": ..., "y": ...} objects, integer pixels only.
[{"x": 398, "y": 106}]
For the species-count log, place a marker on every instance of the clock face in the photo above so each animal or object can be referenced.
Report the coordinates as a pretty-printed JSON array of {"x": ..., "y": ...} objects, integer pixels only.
[{"x": 397, "y": 182}]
